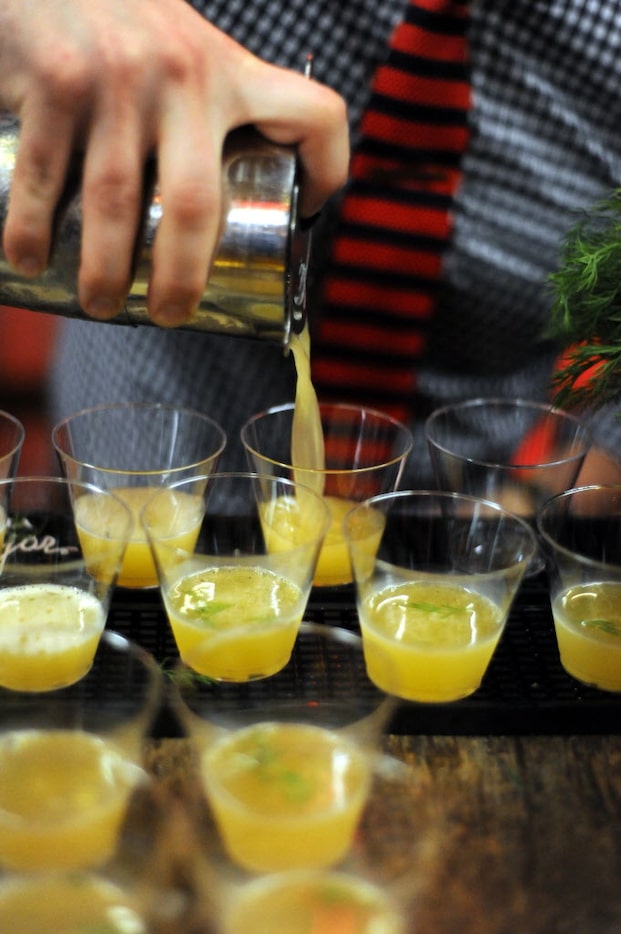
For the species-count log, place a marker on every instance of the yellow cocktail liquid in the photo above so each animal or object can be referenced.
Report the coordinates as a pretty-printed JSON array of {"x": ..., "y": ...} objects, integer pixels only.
[
  {"x": 138, "y": 568},
  {"x": 425, "y": 641},
  {"x": 63, "y": 798},
  {"x": 312, "y": 903},
  {"x": 289, "y": 526},
  {"x": 235, "y": 622},
  {"x": 334, "y": 565},
  {"x": 49, "y": 634},
  {"x": 307, "y": 451},
  {"x": 307, "y": 445},
  {"x": 286, "y": 795},
  {"x": 67, "y": 904},
  {"x": 587, "y": 620}
]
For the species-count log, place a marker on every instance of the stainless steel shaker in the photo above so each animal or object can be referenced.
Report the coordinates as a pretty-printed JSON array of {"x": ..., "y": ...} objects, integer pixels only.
[{"x": 257, "y": 284}]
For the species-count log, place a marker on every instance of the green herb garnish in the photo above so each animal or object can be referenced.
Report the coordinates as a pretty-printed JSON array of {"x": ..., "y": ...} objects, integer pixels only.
[
  {"x": 440, "y": 609},
  {"x": 586, "y": 309},
  {"x": 201, "y": 610},
  {"x": 604, "y": 625},
  {"x": 207, "y": 611},
  {"x": 183, "y": 677},
  {"x": 334, "y": 894},
  {"x": 266, "y": 762}
]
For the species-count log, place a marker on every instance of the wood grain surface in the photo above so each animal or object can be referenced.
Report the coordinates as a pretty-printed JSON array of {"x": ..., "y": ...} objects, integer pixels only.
[{"x": 474, "y": 835}]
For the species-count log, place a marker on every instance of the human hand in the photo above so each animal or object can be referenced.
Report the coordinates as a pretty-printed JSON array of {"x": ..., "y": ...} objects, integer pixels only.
[{"x": 122, "y": 80}]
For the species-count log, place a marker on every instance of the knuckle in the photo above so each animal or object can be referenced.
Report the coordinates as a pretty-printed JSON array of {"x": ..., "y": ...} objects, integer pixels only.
[
  {"x": 68, "y": 76},
  {"x": 192, "y": 202},
  {"x": 74, "y": 72},
  {"x": 182, "y": 58},
  {"x": 113, "y": 193},
  {"x": 34, "y": 175},
  {"x": 126, "y": 63},
  {"x": 32, "y": 198}
]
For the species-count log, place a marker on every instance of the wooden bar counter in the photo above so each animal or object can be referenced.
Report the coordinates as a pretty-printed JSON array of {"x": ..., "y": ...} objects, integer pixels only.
[
  {"x": 486, "y": 835},
  {"x": 500, "y": 815}
]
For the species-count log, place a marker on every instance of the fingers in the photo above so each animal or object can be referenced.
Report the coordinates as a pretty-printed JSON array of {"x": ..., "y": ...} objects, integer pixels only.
[
  {"x": 189, "y": 165},
  {"x": 189, "y": 172},
  {"x": 112, "y": 189},
  {"x": 317, "y": 125},
  {"x": 164, "y": 83},
  {"x": 44, "y": 151}
]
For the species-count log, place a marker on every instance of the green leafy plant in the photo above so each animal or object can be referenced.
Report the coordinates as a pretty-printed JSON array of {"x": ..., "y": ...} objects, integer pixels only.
[{"x": 586, "y": 309}]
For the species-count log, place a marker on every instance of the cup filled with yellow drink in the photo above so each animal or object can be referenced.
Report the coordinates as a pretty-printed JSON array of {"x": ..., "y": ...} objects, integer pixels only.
[
  {"x": 71, "y": 902},
  {"x": 12, "y": 434},
  {"x": 436, "y": 574},
  {"x": 352, "y": 453},
  {"x": 134, "y": 449},
  {"x": 235, "y": 554},
  {"x": 62, "y": 544},
  {"x": 302, "y": 901},
  {"x": 581, "y": 534},
  {"x": 71, "y": 758},
  {"x": 287, "y": 763},
  {"x": 516, "y": 452}
]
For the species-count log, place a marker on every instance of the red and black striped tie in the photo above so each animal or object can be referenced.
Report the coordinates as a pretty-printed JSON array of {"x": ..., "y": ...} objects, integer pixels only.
[{"x": 396, "y": 216}]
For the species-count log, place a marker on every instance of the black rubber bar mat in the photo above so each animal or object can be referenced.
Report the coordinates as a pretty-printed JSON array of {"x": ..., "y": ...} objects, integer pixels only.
[{"x": 525, "y": 690}]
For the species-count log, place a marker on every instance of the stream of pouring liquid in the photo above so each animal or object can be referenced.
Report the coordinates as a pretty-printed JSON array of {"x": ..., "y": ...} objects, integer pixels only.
[{"x": 307, "y": 445}]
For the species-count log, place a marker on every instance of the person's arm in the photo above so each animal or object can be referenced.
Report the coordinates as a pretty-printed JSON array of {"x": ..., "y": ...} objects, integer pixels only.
[{"x": 120, "y": 80}]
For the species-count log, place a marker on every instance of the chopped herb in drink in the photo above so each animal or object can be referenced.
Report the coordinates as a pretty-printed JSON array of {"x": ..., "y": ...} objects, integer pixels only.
[
  {"x": 603, "y": 625},
  {"x": 440, "y": 609},
  {"x": 266, "y": 762}
]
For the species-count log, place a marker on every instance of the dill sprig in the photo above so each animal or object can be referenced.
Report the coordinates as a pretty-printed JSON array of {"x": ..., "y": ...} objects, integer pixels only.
[{"x": 586, "y": 308}]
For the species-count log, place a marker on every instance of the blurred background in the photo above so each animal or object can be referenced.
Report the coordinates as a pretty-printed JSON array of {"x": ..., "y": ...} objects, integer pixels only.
[{"x": 26, "y": 348}]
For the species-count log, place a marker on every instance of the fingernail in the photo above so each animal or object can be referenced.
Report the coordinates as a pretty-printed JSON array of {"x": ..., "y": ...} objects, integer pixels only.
[
  {"x": 169, "y": 316},
  {"x": 102, "y": 307}
]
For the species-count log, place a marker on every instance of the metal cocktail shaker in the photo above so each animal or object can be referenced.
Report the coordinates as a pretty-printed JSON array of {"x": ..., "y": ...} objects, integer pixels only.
[{"x": 257, "y": 284}]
